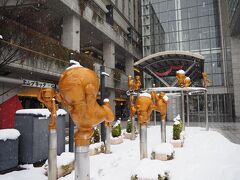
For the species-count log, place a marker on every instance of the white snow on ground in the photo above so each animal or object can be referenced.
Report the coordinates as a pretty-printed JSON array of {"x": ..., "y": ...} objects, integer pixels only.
[
  {"x": 9, "y": 134},
  {"x": 206, "y": 155},
  {"x": 43, "y": 112}
]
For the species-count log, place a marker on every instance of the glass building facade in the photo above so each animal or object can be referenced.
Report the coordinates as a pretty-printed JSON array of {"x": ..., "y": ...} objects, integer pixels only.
[{"x": 195, "y": 25}]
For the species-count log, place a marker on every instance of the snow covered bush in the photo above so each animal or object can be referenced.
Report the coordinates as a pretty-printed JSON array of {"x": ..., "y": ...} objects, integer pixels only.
[
  {"x": 96, "y": 136},
  {"x": 176, "y": 130},
  {"x": 129, "y": 126},
  {"x": 177, "y": 127},
  {"x": 117, "y": 129}
]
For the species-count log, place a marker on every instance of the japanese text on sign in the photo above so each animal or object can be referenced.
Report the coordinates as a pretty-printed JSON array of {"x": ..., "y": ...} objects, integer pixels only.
[{"x": 38, "y": 84}]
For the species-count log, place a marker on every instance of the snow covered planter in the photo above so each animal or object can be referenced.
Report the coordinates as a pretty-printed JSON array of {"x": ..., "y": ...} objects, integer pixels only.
[
  {"x": 177, "y": 141},
  {"x": 163, "y": 152},
  {"x": 116, "y": 133},
  {"x": 65, "y": 164},
  {"x": 150, "y": 170},
  {"x": 96, "y": 147},
  {"x": 9, "y": 148}
]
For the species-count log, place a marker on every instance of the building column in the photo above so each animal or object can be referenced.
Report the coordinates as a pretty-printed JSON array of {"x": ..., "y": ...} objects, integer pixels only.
[
  {"x": 235, "y": 44},
  {"x": 109, "y": 62},
  {"x": 71, "y": 32},
  {"x": 129, "y": 66}
]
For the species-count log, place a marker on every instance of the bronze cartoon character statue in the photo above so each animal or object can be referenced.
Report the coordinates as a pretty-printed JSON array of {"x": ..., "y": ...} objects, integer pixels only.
[
  {"x": 161, "y": 101},
  {"x": 78, "y": 88},
  {"x": 180, "y": 75},
  {"x": 144, "y": 107}
]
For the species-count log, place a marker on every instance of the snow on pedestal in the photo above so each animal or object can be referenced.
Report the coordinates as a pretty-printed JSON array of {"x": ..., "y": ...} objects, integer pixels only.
[
  {"x": 116, "y": 140},
  {"x": 163, "y": 152},
  {"x": 150, "y": 170},
  {"x": 177, "y": 143}
]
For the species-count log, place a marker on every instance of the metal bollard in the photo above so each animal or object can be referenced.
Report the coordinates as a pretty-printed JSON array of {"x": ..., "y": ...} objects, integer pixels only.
[
  {"x": 163, "y": 131},
  {"x": 107, "y": 141},
  {"x": 52, "y": 155},
  {"x": 82, "y": 163},
  {"x": 143, "y": 141},
  {"x": 133, "y": 135}
]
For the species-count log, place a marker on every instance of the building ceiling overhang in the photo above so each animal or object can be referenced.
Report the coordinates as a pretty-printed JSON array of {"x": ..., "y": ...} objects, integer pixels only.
[{"x": 165, "y": 64}]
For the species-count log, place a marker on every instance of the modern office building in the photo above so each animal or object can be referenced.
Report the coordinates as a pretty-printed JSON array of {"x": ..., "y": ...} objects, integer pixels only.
[
  {"x": 201, "y": 26},
  {"x": 37, "y": 37}
]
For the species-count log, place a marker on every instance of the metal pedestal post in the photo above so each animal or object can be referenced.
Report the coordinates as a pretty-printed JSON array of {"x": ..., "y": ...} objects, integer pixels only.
[
  {"x": 206, "y": 110},
  {"x": 52, "y": 155},
  {"x": 82, "y": 163},
  {"x": 133, "y": 135},
  {"x": 163, "y": 131},
  {"x": 143, "y": 141},
  {"x": 155, "y": 117},
  {"x": 107, "y": 142},
  {"x": 187, "y": 110},
  {"x": 182, "y": 106}
]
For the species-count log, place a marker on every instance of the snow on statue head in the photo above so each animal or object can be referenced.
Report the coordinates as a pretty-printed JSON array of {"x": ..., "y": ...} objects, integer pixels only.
[
  {"x": 78, "y": 88},
  {"x": 180, "y": 75}
]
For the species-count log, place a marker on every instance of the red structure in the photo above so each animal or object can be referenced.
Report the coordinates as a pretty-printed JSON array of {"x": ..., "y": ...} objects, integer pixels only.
[{"x": 7, "y": 112}]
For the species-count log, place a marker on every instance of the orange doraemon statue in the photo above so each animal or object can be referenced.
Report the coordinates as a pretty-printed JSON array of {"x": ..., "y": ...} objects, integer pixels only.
[
  {"x": 78, "y": 89},
  {"x": 144, "y": 107},
  {"x": 161, "y": 101}
]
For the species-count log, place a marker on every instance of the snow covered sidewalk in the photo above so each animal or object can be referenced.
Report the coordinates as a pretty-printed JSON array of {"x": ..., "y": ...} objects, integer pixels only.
[{"x": 206, "y": 155}]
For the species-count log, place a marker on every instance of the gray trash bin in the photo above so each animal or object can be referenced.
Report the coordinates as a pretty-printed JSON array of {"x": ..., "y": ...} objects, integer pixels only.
[
  {"x": 8, "y": 152},
  {"x": 33, "y": 126}
]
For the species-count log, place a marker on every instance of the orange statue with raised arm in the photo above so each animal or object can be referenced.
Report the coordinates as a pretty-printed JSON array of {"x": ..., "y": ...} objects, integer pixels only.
[
  {"x": 180, "y": 75},
  {"x": 47, "y": 97},
  {"x": 187, "y": 82},
  {"x": 160, "y": 104},
  {"x": 78, "y": 88},
  {"x": 205, "y": 81},
  {"x": 137, "y": 84}
]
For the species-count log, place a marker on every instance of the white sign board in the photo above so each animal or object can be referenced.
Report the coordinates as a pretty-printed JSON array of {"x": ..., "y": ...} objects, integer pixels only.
[{"x": 37, "y": 84}]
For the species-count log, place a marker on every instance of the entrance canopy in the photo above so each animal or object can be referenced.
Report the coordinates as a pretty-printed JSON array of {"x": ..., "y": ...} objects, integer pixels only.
[{"x": 163, "y": 65}]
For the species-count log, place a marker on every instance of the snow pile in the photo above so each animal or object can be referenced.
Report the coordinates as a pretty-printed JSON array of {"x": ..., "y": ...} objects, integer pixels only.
[
  {"x": 164, "y": 148},
  {"x": 145, "y": 95},
  {"x": 96, "y": 145},
  {"x": 165, "y": 98},
  {"x": 42, "y": 112},
  {"x": 6, "y": 134},
  {"x": 150, "y": 169},
  {"x": 176, "y": 122},
  {"x": 106, "y": 100},
  {"x": 118, "y": 122},
  {"x": 177, "y": 118},
  {"x": 74, "y": 64},
  {"x": 180, "y": 71}
]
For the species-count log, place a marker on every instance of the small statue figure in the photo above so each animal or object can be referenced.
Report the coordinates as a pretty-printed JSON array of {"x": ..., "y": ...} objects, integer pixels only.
[
  {"x": 130, "y": 83},
  {"x": 78, "y": 88},
  {"x": 187, "y": 82},
  {"x": 144, "y": 107},
  {"x": 132, "y": 107},
  {"x": 205, "y": 81},
  {"x": 138, "y": 83},
  {"x": 160, "y": 104},
  {"x": 47, "y": 97},
  {"x": 180, "y": 77}
]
